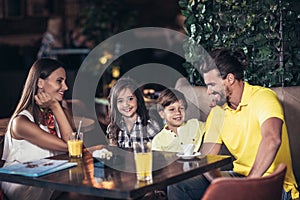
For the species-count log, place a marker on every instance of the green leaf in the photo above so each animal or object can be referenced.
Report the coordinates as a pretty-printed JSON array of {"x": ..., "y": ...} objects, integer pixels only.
[
  {"x": 253, "y": 26},
  {"x": 183, "y": 3}
]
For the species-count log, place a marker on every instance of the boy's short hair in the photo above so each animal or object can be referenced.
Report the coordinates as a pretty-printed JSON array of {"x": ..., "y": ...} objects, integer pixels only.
[{"x": 169, "y": 96}]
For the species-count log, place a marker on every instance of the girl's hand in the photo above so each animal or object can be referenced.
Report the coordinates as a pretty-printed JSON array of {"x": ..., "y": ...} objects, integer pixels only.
[{"x": 44, "y": 100}]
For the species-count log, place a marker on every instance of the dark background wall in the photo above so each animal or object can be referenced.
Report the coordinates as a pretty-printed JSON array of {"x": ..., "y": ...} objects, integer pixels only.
[
  {"x": 23, "y": 22},
  {"x": 22, "y": 27}
]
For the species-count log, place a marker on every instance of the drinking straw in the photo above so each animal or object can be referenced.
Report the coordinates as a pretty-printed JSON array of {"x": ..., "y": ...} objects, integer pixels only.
[
  {"x": 78, "y": 130},
  {"x": 142, "y": 139},
  {"x": 142, "y": 145}
]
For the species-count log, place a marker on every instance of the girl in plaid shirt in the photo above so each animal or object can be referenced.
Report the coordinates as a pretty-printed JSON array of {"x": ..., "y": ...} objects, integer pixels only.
[{"x": 129, "y": 116}]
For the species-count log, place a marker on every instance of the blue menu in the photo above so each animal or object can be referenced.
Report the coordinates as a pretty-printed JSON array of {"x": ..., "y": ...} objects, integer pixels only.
[{"x": 37, "y": 168}]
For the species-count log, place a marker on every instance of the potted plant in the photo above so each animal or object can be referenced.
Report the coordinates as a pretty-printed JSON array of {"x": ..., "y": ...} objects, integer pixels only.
[
  {"x": 265, "y": 30},
  {"x": 106, "y": 18}
]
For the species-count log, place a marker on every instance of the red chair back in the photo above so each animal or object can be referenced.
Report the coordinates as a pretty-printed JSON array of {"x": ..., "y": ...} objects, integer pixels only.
[{"x": 267, "y": 187}]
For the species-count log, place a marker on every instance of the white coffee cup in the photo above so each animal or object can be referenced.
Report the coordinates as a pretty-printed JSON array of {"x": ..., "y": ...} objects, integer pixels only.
[{"x": 188, "y": 149}]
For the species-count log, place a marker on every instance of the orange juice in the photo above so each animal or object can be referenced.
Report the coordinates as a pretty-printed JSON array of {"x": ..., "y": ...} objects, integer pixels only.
[
  {"x": 143, "y": 163},
  {"x": 75, "y": 148}
]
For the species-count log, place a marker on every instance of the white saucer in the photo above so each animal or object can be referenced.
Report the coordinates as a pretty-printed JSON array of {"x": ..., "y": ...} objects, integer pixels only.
[{"x": 186, "y": 157}]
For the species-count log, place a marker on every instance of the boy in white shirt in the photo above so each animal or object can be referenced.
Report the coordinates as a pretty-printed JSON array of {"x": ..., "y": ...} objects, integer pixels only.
[{"x": 172, "y": 107}]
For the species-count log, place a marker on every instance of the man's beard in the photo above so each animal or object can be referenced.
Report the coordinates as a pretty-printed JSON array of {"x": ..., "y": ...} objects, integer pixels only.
[{"x": 224, "y": 98}]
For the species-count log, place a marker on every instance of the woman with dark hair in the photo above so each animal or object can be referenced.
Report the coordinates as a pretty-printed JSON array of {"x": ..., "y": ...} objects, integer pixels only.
[
  {"x": 39, "y": 127},
  {"x": 129, "y": 116}
]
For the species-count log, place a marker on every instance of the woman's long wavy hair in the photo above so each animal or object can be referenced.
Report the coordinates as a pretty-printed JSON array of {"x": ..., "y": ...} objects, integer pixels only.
[
  {"x": 115, "y": 115},
  {"x": 41, "y": 68}
]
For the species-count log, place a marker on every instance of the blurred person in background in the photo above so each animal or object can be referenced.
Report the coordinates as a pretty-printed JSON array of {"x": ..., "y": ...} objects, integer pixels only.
[{"x": 52, "y": 38}]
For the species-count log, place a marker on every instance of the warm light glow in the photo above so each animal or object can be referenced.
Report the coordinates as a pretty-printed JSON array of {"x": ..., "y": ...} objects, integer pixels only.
[
  {"x": 113, "y": 81},
  {"x": 103, "y": 60},
  {"x": 106, "y": 56},
  {"x": 115, "y": 72},
  {"x": 149, "y": 91},
  {"x": 107, "y": 184}
]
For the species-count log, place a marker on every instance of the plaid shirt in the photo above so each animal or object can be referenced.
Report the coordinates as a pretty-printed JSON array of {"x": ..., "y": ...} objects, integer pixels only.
[{"x": 126, "y": 138}]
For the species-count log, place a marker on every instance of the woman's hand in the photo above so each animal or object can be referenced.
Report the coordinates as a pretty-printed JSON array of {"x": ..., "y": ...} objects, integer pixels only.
[{"x": 44, "y": 100}]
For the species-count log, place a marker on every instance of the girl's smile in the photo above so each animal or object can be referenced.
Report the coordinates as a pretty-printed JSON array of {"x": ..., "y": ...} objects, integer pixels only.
[{"x": 127, "y": 103}]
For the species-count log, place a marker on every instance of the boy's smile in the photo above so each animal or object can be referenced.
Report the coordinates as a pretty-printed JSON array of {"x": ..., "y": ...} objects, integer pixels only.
[{"x": 174, "y": 114}]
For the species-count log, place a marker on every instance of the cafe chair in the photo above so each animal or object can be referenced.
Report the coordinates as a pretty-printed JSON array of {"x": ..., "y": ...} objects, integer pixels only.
[{"x": 261, "y": 188}]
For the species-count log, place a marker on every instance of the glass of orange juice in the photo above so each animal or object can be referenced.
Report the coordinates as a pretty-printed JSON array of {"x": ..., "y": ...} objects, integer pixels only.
[
  {"x": 143, "y": 160},
  {"x": 75, "y": 145}
]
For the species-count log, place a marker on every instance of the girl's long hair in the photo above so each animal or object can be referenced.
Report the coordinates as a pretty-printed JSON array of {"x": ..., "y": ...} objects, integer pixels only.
[{"x": 115, "y": 116}]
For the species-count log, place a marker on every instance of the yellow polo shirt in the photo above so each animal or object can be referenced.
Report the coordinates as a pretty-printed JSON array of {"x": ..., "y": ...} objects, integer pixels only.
[
  {"x": 240, "y": 131},
  {"x": 190, "y": 132}
]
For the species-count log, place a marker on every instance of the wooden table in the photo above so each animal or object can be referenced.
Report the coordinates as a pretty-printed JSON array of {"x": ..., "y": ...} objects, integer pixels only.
[{"x": 118, "y": 180}]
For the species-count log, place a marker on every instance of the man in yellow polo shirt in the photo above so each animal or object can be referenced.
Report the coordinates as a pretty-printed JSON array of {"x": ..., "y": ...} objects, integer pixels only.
[{"x": 248, "y": 119}]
